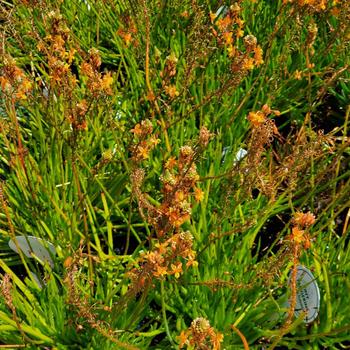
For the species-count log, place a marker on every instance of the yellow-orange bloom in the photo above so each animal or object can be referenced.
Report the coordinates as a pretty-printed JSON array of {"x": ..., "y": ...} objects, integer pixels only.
[
  {"x": 198, "y": 194},
  {"x": 137, "y": 130},
  {"x": 256, "y": 118},
  {"x": 224, "y": 23},
  {"x": 161, "y": 271},
  {"x": 170, "y": 163},
  {"x": 143, "y": 152},
  {"x": 183, "y": 338},
  {"x": 258, "y": 56},
  {"x": 176, "y": 269},
  {"x": 171, "y": 91},
  {"x": 298, "y": 235},
  {"x": 212, "y": 17},
  {"x": 248, "y": 63},
  {"x": 217, "y": 340},
  {"x": 228, "y": 38},
  {"x": 304, "y": 219}
]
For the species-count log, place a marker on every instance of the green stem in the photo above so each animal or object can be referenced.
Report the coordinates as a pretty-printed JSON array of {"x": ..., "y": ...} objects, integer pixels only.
[
  {"x": 328, "y": 299},
  {"x": 164, "y": 315}
]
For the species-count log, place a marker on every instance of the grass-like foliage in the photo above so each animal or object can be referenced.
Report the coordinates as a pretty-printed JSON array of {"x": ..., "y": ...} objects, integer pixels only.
[{"x": 183, "y": 157}]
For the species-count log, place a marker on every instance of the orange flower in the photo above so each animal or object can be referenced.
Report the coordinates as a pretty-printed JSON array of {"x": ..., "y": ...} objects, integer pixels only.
[
  {"x": 171, "y": 91},
  {"x": 198, "y": 194},
  {"x": 23, "y": 89},
  {"x": 71, "y": 54},
  {"x": 143, "y": 152},
  {"x": 335, "y": 11},
  {"x": 248, "y": 63},
  {"x": 5, "y": 84},
  {"x": 162, "y": 247},
  {"x": 82, "y": 107},
  {"x": 298, "y": 235},
  {"x": 176, "y": 269},
  {"x": 176, "y": 218},
  {"x": 239, "y": 22},
  {"x": 171, "y": 162},
  {"x": 68, "y": 262},
  {"x": 154, "y": 257},
  {"x": 150, "y": 96},
  {"x": 258, "y": 56},
  {"x": 107, "y": 81},
  {"x": 304, "y": 219},
  {"x": 161, "y": 271},
  {"x": 185, "y": 14},
  {"x": 154, "y": 141},
  {"x": 125, "y": 36},
  {"x": 228, "y": 38},
  {"x": 183, "y": 338},
  {"x": 216, "y": 340},
  {"x": 256, "y": 118},
  {"x": 212, "y": 17},
  {"x": 298, "y": 75},
  {"x": 82, "y": 125},
  {"x": 180, "y": 196},
  {"x": 224, "y": 23},
  {"x": 231, "y": 51},
  {"x": 137, "y": 130},
  {"x": 87, "y": 69},
  {"x": 191, "y": 259},
  {"x": 239, "y": 33},
  {"x": 307, "y": 243},
  {"x": 127, "y": 39},
  {"x": 266, "y": 109}
]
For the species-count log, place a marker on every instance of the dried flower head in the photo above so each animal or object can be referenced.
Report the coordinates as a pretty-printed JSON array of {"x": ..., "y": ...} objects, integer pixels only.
[
  {"x": 204, "y": 136},
  {"x": 298, "y": 235},
  {"x": 200, "y": 335},
  {"x": 304, "y": 220},
  {"x": 258, "y": 56},
  {"x": 250, "y": 42},
  {"x": 301, "y": 222},
  {"x": 144, "y": 141},
  {"x": 186, "y": 154},
  {"x": 171, "y": 91},
  {"x": 13, "y": 81},
  {"x": 256, "y": 118},
  {"x": 200, "y": 325}
]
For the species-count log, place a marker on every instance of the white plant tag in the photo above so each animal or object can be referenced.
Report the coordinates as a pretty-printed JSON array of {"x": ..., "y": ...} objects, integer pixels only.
[
  {"x": 241, "y": 153},
  {"x": 224, "y": 153},
  {"x": 308, "y": 295},
  {"x": 222, "y": 11},
  {"x": 31, "y": 245}
]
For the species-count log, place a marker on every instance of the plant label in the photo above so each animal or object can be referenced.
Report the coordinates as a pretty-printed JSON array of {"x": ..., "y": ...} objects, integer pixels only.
[
  {"x": 31, "y": 245},
  {"x": 222, "y": 11},
  {"x": 308, "y": 295},
  {"x": 241, "y": 153}
]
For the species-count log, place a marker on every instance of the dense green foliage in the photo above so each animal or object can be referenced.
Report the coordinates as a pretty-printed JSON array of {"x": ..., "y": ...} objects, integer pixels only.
[{"x": 101, "y": 100}]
